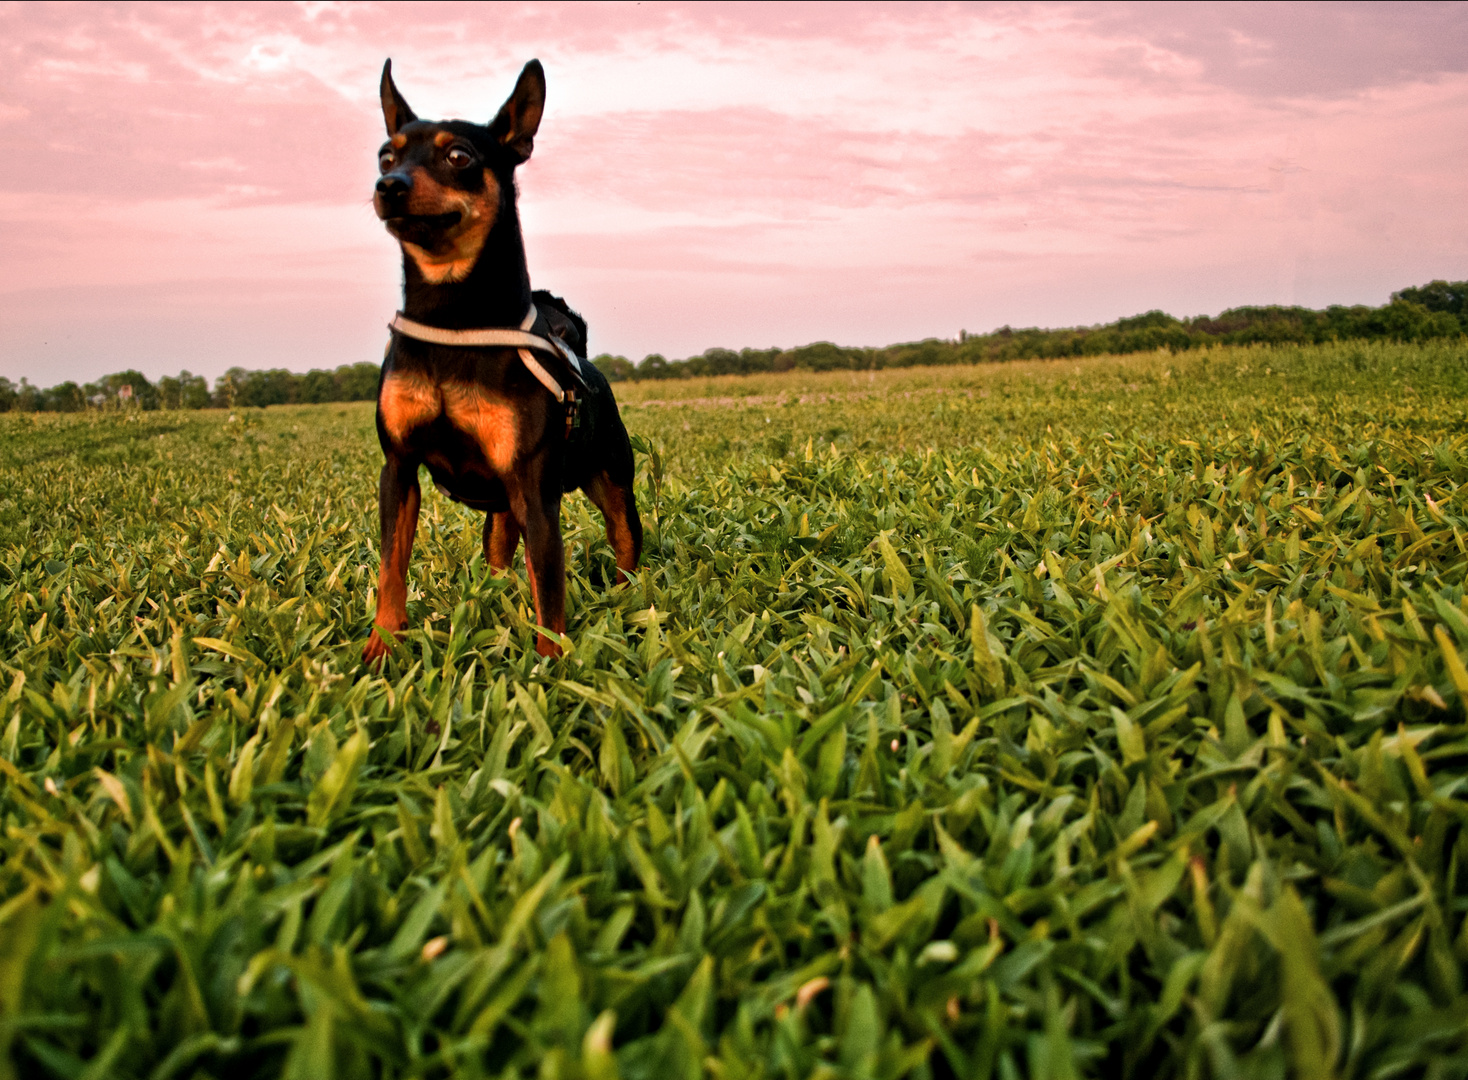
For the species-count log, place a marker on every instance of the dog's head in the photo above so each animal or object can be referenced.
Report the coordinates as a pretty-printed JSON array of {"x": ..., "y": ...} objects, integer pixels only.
[{"x": 444, "y": 184}]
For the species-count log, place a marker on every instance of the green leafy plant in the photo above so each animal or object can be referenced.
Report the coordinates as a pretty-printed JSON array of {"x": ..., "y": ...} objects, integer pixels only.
[{"x": 1068, "y": 719}]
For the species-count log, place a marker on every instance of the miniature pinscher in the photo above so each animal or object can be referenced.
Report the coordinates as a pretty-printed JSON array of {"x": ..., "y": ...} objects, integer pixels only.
[{"x": 485, "y": 382}]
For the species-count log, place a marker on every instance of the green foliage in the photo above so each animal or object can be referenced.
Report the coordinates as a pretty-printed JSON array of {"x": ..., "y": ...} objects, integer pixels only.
[
  {"x": 615, "y": 368},
  {"x": 188, "y": 391},
  {"x": 276, "y": 386},
  {"x": 1439, "y": 295},
  {"x": 1421, "y": 313},
  {"x": 1417, "y": 314},
  {"x": 1099, "y": 718},
  {"x": 235, "y": 388}
]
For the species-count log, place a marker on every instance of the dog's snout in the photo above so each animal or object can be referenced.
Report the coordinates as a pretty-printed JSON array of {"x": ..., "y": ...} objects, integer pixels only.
[{"x": 394, "y": 186}]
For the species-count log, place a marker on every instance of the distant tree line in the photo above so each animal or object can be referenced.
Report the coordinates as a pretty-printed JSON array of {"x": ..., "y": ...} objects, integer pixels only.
[
  {"x": 235, "y": 388},
  {"x": 1416, "y": 314},
  {"x": 1434, "y": 310}
]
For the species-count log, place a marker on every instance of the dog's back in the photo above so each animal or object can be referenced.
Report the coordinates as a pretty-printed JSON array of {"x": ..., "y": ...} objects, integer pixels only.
[{"x": 566, "y": 324}]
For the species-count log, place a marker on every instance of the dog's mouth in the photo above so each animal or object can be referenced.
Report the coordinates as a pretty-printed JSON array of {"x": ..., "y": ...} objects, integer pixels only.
[{"x": 421, "y": 226}]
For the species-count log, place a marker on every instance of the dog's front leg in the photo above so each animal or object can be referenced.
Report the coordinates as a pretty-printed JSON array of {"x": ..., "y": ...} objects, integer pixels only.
[
  {"x": 545, "y": 563},
  {"x": 397, "y": 506}
]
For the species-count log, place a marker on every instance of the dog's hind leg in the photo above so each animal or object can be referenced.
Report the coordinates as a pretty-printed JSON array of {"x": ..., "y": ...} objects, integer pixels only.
[
  {"x": 398, "y": 497},
  {"x": 618, "y": 508},
  {"x": 501, "y": 538}
]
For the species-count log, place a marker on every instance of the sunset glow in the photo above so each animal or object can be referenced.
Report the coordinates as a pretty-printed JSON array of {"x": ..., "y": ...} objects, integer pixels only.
[{"x": 189, "y": 187}]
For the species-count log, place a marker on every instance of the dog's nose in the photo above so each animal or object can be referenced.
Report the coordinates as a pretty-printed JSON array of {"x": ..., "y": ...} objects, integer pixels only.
[{"x": 394, "y": 186}]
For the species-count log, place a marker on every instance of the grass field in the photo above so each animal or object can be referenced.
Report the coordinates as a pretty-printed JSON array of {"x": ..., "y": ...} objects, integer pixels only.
[{"x": 1050, "y": 720}]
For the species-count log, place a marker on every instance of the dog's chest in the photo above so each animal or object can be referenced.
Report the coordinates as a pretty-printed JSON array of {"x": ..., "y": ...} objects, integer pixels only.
[{"x": 413, "y": 408}]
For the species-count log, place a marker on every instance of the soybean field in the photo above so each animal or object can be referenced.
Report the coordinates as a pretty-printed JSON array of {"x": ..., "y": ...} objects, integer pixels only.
[{"x": 1049, "y": 719}]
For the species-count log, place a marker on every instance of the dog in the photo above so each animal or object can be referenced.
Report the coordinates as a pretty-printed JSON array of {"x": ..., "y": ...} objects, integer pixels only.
[{"x": 484, "y": 382}]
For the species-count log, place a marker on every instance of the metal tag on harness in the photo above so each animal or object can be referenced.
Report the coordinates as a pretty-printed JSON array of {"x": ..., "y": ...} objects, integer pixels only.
[{"x": 573, "y": 412}]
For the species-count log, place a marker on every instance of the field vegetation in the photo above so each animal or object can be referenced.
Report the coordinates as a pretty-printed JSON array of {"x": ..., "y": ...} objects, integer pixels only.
[
  {"x": 1053, "y": 719},
  {"x": 1420, "y": 313}
]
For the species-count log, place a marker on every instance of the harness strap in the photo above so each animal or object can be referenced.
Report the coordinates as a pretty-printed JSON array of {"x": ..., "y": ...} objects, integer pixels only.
[
  {"x": 494, "y": 335},
  {"x": 520, "y": 339}
]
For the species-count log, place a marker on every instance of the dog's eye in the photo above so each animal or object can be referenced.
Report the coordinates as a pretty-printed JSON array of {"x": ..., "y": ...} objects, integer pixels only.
[
  {"x": 385, "y": 160},
  {"x": 459, "y": 158}
]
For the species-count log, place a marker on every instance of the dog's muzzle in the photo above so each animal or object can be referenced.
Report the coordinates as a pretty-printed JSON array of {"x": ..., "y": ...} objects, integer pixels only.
[
  {"x": 420, "y": 228},
  {"x": 391, "y": 203},
  {"x": 390, "y": 199}
]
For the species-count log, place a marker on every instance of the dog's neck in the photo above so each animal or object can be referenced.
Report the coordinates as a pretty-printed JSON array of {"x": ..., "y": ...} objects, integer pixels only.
[{"x": 496, "y": 291}]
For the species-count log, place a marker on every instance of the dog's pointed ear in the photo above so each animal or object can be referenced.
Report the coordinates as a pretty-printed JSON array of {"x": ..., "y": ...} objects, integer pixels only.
[
  {"x": 395, "y": 108},
  {"x": 519, "y": 117}
]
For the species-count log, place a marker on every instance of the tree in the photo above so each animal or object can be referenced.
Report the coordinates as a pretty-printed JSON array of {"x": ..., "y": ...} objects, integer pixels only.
[
  {"x": 188, "y": 391},
  {"x": 821, "y": 356},
  {"x": 1146, "y": 321},
  {"x": 1403, "y": 320},
  {"x": 28, "y": 398},
  {"x": 65, "y": 397},
  {"x": 1437, "y": 296},
  {"x": 615, "y": 368},
  {"x": 316, "y": 386},
  {"x": 228, "y": 386},
  {"x": 357, "y": 382},
  {"x": 721, "y": 362},
  {"x": 129, "y": 386},
  {"x": 653, "y": 366},
  {"x": 193, "y": 391}
]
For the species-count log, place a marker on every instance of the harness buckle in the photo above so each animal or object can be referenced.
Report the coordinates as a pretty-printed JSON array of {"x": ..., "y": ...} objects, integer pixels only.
[{"x": 573, "y": 412}]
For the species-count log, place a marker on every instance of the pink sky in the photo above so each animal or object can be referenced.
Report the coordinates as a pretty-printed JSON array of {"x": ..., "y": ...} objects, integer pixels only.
[{"x": 189, "y": 186}]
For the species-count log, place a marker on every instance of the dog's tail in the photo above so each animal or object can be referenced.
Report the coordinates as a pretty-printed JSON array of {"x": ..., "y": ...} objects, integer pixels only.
[{"x": 577, "y": 338}]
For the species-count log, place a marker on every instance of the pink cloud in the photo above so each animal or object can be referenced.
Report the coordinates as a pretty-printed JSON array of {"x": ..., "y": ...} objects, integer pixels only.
[{"x": 724, "y": 175}]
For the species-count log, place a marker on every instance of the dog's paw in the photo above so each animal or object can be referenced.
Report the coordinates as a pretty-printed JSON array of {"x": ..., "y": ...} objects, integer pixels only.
[
  {"x": 375, "y": 649},
  {"x": 546, "y": 647}
]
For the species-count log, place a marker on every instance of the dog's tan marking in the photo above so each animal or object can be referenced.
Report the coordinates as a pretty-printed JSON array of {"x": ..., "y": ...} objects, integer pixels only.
[
  {"x": 398, "y": 141},
  {"x": 405, "y": 403},
  {"x": 490, "y": 421},
  {"x": 462, "y": 244},
  {"x": 443, "y": 138}
]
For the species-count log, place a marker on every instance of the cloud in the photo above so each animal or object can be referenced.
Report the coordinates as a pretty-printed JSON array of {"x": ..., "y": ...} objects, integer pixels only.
[
  {"x": 726, "y": 174},
  {"x": 1322, "y": 50}
]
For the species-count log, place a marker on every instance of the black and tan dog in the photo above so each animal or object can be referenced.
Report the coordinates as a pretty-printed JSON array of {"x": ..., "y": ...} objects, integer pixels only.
[{"x": 484, "y": 382}]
